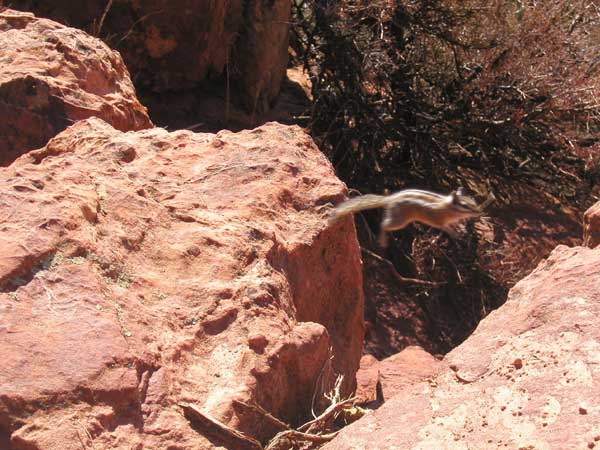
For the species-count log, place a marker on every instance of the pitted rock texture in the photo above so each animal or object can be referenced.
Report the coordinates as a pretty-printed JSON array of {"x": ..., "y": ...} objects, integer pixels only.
[
  {"x": 179, "y": 45},
  {"x": 52, "y": 76},
  {"x": 527, "y": 378},
  {"x": 146, "y": 270}
]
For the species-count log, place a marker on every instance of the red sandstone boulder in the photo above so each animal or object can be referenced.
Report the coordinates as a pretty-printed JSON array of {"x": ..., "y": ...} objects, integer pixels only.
[
  {"x": 526, "y": 379},
  {"x": 52, "y": 76},
  {"x": 591, "y": 226},
  {"x": 147, "y": 270},
  {"x": 182, "y": 44}
]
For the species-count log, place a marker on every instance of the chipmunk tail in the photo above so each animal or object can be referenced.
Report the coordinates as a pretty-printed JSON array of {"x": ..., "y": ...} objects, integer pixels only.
[{"x": 354, "y": 205}]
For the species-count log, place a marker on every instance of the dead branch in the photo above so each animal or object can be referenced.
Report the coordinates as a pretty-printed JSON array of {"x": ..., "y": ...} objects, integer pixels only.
[
  {"x": 104, "y": 13},
  {"x": 141, "y": 19},
  {"x": 293, "y": 435},
  {"x": 313, "y": 431},
  {"x": 395, "y": 272},
  {"x": 330, "y": 412},
  {"x": 256, "y": 407},
  {"x": 219, "y": 430}
]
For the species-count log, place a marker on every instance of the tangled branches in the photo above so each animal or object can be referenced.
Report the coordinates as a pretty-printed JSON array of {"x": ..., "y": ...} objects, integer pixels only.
[
  {"x": 417, "y": 92},
  {"x": 500, "y": 97}
]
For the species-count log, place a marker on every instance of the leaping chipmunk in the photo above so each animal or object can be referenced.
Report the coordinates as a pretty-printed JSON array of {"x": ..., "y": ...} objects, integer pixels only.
[{"x": 413, "y": 205}]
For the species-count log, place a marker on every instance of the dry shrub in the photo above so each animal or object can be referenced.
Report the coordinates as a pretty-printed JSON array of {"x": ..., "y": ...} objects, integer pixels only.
[
  {"x": 406, "y": 90},
  {"x": 500, "y": 97}
]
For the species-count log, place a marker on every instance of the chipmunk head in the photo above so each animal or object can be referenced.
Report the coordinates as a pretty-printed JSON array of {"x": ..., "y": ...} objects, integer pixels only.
[{"x": 465, "y": 204}]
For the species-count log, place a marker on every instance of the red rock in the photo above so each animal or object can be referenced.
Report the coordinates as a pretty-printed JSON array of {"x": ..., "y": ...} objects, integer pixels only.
[
  {"x": 368, "y": 384},
  {"x": 146, "y": 270},
  {"x": 261, "y": 52},
  {"x": 378, "y": 381},
  {"x": 51, "y": 76},
  {"x": 482, "y": 400},
  {"x": 591, "y": 226},
  {"x": 178, "y": 45},
  {"x": 410, "y": 366}
]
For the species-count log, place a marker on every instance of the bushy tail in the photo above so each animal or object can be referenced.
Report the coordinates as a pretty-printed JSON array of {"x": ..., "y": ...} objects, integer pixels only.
[{"x": 369, "y": 201}]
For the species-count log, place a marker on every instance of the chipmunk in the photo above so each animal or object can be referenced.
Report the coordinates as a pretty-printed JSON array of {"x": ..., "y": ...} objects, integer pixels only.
[{"x": 413, "y": 205}]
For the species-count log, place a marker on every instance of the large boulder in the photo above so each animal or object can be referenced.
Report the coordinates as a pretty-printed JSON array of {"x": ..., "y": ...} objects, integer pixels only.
[
  {"x": 182, "y": 44},
  {"x": 52, "y": 76},
  {"x": 526, "y": 379},
  {"x": 147, "y": 270}
]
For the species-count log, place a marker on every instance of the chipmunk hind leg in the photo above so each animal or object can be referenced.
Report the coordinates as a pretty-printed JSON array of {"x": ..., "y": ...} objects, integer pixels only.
[{"x": 391, "y": 221}]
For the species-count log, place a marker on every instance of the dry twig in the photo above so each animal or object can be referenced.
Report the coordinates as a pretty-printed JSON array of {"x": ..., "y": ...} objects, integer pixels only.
[
  {"x": 293, "y": 435},
  {"x": 213, "y": 427},
  {"x": 104, "y": 13},
  {"x": 395, "y": 272},
  {"x": 313, "y": 431},
  {"x": 256, "y": 407}
]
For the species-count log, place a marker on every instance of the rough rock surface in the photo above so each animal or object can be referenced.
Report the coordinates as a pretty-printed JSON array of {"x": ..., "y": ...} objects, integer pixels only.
[
  {"x": 527, "y": 378},
  {"x": 144, "y": 270},
  {"x": 410, "y": 366},
  {"x": 52, "y": 76},
  {"x": 177, "y": 45},
  {"x": 368, "y": 382},
  {"x": 591, "y": 226},
  {"x": 378, "y": 381},
  {"x": 261, "y": 52}
]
